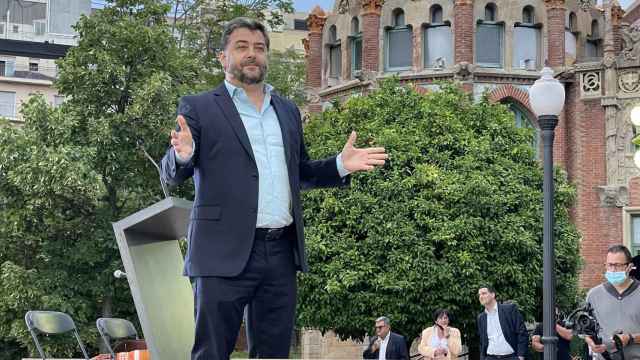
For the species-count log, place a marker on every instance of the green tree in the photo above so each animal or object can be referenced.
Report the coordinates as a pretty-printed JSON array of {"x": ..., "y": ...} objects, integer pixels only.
[
  {"x": 287, "y": 73},
  {"x": 70, "y": 171},
  {"x": 198, "y": 25},
  {"x": 458, "y": 205}
]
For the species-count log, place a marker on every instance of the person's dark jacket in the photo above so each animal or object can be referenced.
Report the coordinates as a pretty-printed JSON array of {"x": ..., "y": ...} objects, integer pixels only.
[
  {"x": 396, "y": 348},
  {"x": 513, "y": 329}
]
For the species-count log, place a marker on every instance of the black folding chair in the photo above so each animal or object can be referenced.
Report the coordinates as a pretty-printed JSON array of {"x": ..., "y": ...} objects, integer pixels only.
[
  {"x": 51, "y": 323},
  {"x": 115, "y": 329}
]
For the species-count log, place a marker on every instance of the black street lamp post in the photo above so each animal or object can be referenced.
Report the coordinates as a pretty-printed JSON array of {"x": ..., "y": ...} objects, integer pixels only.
[{"x": 547, "y": 99}]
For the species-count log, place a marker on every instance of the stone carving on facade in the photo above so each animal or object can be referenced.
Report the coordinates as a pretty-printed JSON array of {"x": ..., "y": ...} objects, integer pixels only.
[
  {"x": 630, "y": 42},
  {"x": 316, "y": 20},
  {"x": 343, "y": 6},
  {"x": 613, "y": 196},
  {"x": 463, "y": 71},
  {"x": 629, "y": 82},
  {"x": 609, "y": 60},
  {"x": 372, "y": 6},
  {"x": 554, "y": 4},
  {"x": 616, "y": 14},
  {"x": 585, "y": 5},
  {"x": 590, "y": 82}
]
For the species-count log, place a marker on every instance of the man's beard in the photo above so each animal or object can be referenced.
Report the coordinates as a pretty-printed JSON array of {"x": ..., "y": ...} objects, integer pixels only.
[{"x": 246, "y": 78}]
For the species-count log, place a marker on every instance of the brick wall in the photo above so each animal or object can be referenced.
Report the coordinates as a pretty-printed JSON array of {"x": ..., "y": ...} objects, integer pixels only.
[
  {"x": 463, "y": 30},
  {"x": 555, "y": 32},
  {"x": 586, "y": 164},
  {"x": 370, "y": 40}
]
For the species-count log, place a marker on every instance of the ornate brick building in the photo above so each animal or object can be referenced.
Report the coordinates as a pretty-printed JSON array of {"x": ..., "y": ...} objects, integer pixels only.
[{"x": 499, "y": 47}]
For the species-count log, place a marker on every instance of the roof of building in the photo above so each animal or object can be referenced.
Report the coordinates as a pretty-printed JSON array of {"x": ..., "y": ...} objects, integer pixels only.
[{"x": 33, "y": 49}]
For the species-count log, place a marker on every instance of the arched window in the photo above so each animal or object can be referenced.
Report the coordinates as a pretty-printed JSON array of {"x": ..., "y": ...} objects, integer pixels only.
[
  {"x": 572, "y": 24},
  {"x": 526, "y": 41},
  {"x": 333, "y": 34},
  {"x": 593, "y": 46},
  {"x": 436, "y": 14},
  {"x": 491, "y": 35},
  {"x": 595, "y": 29},
  {"x": 528, "y": 15},
  {"x": 437, "y": 40},
  {"x": 398, "y": 43},
  {"x": 356, "y": 47},
  {"x": 335, "y": 53},
  {"x": 398, "y": 18},
  {"x": 570, "y": 35},
  {"x": 521, "y": 118},
  {"x": 490, "y": 12}
]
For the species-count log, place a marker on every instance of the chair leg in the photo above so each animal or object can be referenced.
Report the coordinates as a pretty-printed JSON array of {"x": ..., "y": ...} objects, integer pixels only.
[
  {"x": 38, "y": 346},
  {"x": 84, "y": 352}
]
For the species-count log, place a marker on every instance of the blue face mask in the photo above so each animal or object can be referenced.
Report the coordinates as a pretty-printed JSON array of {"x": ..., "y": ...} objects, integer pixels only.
[{"x": 616, "y": 277}]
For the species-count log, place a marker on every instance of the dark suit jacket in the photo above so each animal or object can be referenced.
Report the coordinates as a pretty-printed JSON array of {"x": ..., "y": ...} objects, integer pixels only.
[
  {"x": 225, "y": 174},
  {"x": 513, "y": 329},
  {"x": 396, "y": 348}
]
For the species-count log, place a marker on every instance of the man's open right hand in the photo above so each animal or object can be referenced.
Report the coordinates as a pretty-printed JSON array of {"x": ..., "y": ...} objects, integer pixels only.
[{"x": 182, "y": 141}]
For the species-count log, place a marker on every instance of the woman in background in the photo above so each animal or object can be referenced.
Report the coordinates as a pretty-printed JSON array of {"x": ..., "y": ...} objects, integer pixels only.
[{"x": 440, "y": 341}]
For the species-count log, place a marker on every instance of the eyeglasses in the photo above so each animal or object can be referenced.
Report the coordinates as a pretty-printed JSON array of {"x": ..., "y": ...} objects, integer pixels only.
[
  {"x": 380, "y": 327},
  {"x": 611, "y": 266}
]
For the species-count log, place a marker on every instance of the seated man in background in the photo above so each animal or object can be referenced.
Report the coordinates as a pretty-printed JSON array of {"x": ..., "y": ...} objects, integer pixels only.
[{"x": 386, "y": 345}]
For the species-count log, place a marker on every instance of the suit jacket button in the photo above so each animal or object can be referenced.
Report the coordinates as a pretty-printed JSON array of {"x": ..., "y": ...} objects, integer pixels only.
[
  {"x": 254, "y": 175},
  {"x": 254, "y": 211}
]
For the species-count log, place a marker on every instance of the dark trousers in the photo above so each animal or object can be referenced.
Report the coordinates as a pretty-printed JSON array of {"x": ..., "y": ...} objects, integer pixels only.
[{"x": 267, "y": 287}]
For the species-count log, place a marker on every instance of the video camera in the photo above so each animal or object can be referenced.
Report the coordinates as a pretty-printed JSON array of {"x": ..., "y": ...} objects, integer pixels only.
[{"x": 583, "y": 323}]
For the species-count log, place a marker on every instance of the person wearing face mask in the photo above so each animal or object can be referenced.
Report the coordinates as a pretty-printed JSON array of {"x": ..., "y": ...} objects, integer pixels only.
[
  {"x": 440, "y": 341},
  {"x": 616, "y": 305}
]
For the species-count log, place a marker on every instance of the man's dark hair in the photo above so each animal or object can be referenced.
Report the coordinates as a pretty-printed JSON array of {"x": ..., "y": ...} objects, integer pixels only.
[
  {"x": 240, "y": 23},
  {"x": 619, "y": 248},
  {"x": 440, "y": 312},
  {"x": 490, "y": 288}
]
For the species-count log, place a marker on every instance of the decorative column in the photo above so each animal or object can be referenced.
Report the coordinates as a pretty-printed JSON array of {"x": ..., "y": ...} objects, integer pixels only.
[
  {"x": 612, "y": 15},
  {"x": 556, "y": 11},
  {"x": 463, "y": 31},
  {"x": 313, "y": 55},
  {"x": 371, "y": 10}
]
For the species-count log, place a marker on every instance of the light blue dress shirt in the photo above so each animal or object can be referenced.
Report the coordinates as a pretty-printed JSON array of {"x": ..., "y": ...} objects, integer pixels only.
[{"x": 265, "y": 136}]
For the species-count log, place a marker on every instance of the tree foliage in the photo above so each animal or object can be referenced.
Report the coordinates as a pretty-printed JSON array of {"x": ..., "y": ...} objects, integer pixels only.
[
  {"x": 287, "y": 73},
  {"x": 458, "y": 205},
  {"x": 71, "y": 171}
]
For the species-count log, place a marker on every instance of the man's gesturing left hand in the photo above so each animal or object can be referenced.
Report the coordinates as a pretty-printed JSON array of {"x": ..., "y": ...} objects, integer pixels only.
[{"x": 366, "y": 159}]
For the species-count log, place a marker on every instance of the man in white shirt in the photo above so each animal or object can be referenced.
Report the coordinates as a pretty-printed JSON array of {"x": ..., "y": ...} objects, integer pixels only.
[
  {"x": 386, "y": 345},
  {"x": 503, "y": 335}
]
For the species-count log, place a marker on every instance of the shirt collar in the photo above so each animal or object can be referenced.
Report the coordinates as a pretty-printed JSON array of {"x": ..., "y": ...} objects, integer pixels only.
[
  {"x": 493, "y": 310},
  {"x": 235, "y": 90}
]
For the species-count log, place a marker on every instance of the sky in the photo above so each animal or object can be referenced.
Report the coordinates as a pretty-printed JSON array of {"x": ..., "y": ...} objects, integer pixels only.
[{"x": 307, "y": 5}]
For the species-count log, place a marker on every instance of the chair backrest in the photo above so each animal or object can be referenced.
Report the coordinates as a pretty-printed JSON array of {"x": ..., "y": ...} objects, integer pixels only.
[
  {"x": 114, "y": 329},
  {"x": 51, "y": 323}
]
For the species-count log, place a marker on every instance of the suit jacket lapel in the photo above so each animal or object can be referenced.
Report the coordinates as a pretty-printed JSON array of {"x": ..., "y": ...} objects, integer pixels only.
[
  {"x": 504, "y": 322},
  {"x": 224, "y": 101},
  {"x": 285, "y": 122}
]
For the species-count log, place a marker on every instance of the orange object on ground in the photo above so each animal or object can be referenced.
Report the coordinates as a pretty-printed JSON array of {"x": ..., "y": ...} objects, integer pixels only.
[{"x": 139, "y": 355}]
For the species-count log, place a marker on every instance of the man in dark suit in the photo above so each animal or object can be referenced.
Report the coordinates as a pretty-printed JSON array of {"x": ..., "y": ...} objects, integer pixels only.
[
  {"x": 501, "y": 329},
  {"x": 386, "y": 345},
  {"x": 243, "y": 145}
]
